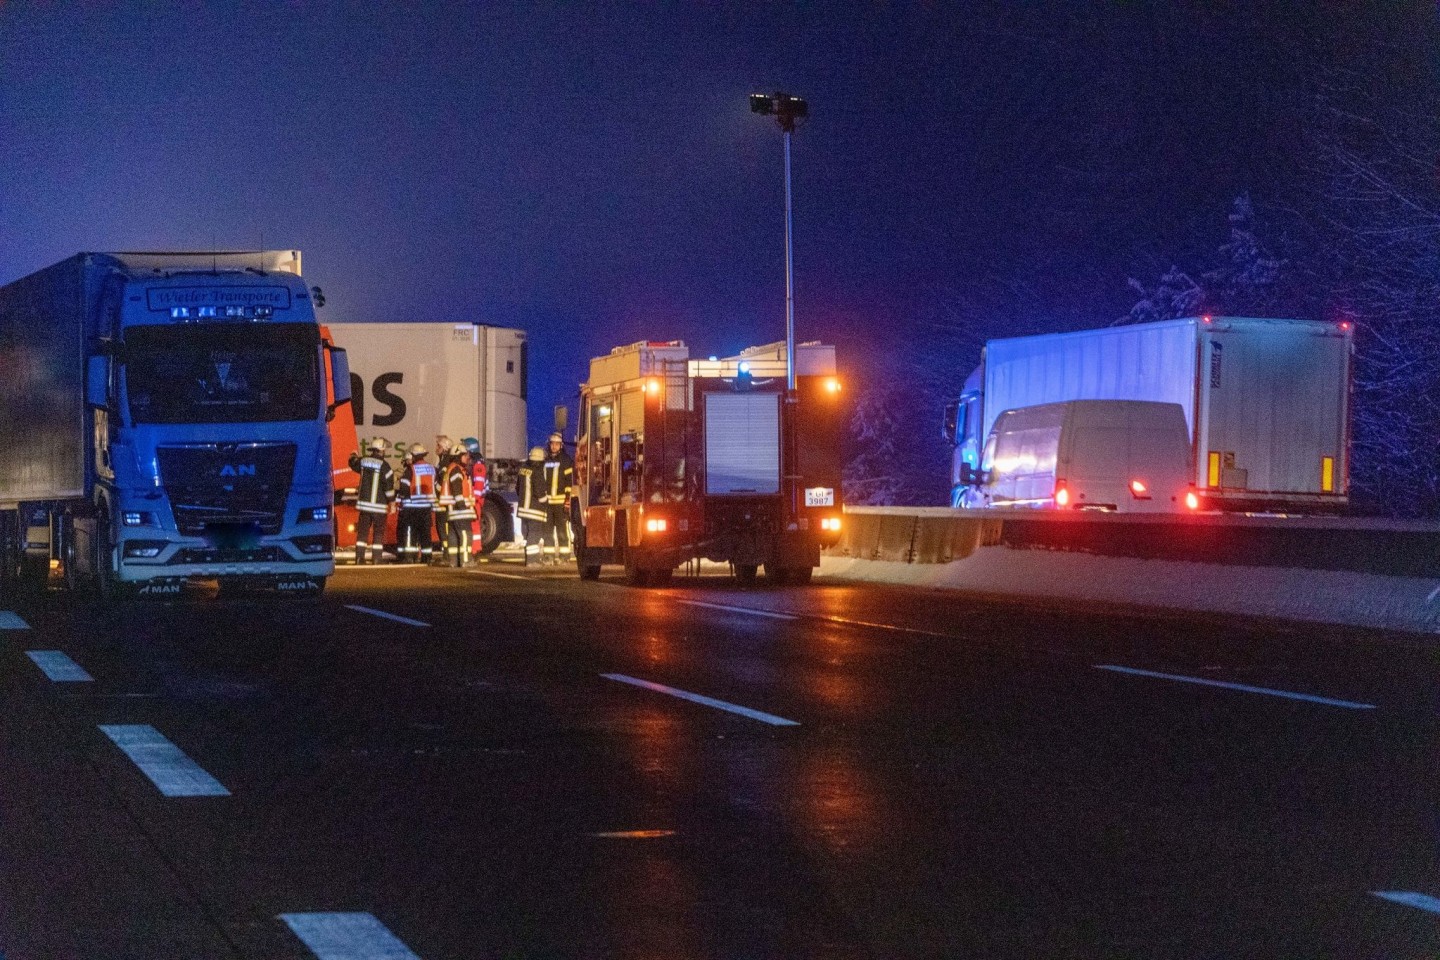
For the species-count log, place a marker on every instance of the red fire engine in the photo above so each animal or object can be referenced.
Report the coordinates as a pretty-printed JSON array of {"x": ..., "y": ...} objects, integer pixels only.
[{"x": 679, "y": 459}]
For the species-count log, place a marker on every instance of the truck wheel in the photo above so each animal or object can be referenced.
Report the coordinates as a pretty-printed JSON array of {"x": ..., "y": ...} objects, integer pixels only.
[
  {"x": 9, "y": 544},
  {"x": 800, "y": 575},
  {"x": 776, "y": 574},
  {"x": 660, "y": 578},
  {"x": 103, "y": 559},
  {"x": 493, "y": 528},
  {"x": 745, "y": 572},
  {"x": 637, "y": 576}
]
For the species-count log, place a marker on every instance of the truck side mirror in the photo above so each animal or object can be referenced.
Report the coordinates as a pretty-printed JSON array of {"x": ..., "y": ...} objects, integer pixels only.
[
  {"x": 562, "y": 418},
  {"x": 97, "y": 381},
  {"x": 967, "y": 475},
  {"x": 947, "y": 429},
  {"x": 339, "y": 380}
]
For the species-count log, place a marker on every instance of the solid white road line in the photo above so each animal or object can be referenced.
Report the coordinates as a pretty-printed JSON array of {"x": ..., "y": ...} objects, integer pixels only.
[
  {"x": 507, "y": 576},
  {"x": 752, "y": 610},
  {"x": 59, "y": 667},
  {"x": 769, "y": 718},
  {"x": 11, "y": 621},
  {"x": 164, "y": 763},
  {"x": 1309, "y": 698},
  {"x": 1410, "y": 899},
  {"x": 388, "y": 616},
  {"x": 347, "y": 936}
]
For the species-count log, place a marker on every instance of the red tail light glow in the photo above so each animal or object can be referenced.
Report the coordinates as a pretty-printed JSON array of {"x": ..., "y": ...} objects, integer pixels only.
[
  {"x": 1138, "y": 490},
  {"x": 1062, "y": 495},
  {"x": 1192, "y": 501}
]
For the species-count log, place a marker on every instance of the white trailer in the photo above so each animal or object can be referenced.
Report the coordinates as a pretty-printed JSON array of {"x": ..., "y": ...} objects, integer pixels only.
[
  {"x": 413, "y": 382},
  {"x": 1266, "y": 401}
]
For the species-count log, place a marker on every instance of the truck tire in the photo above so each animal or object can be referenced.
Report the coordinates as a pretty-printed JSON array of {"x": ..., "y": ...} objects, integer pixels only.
[
  {"x": 494, "y": 524},
  {"x": 637, "y": 576},
  {"x": 800, "y": 575},
  {"x": 746, "y": 572},
  {"x": 102, "y": 558},
  {"x": 777, "y": 575},
  {"x": 9, "y": 551}
]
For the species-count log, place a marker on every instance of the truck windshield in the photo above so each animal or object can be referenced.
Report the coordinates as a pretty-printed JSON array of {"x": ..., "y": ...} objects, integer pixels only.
[{"x": 209, "y": 373}]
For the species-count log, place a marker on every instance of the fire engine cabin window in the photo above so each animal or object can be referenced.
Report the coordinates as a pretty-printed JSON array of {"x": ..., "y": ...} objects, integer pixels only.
[
  {"x": 220, "y": 373},
  {"x": 602, "y": 465}
]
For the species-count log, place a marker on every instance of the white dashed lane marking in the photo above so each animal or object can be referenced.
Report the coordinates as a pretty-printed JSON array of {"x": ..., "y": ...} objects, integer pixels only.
[
  {"x": 749, "y": 610},
  {"x": 12, "y": 621},
  {"x": 164, "y": 763},
  {"x": 1409, "y": 898},
  {"x": 347, "y": 936},
  {"x": 769, "y": 718},
  {"x": 59, "y": 667},
  {"x": 388, "y": 616},
  {"x": 1244, "y": 688}
]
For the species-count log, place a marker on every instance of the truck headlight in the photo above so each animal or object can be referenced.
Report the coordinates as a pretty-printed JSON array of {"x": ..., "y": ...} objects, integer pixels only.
[
  {"x": 137, "y": 518},
  {"x": 143, "y": 549},
  {"x": 315, "y": 515}
]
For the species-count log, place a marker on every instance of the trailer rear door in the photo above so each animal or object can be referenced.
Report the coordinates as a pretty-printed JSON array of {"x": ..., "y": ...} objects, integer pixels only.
[{"x": 742, "y": 443}]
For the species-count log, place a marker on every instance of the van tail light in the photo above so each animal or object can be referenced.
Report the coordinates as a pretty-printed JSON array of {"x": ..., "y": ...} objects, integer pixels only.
[
  {"x": 1192, "y": 500},
  {"x": 1138, "y": 490},
  {"x": 1062, "y": 494}
]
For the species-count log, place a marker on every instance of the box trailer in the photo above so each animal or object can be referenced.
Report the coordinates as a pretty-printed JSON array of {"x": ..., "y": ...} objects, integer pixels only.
[
  {"x": 414, "y": 381},
  {"x": 1266, "y": 401}
]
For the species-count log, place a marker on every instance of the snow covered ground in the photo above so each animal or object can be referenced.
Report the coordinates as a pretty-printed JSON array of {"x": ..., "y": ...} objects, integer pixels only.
[{"x": 1359, "y": 599}]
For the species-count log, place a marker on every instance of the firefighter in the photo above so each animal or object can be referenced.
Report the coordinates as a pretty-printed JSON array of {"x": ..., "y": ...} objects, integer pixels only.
[
  {"x": 556, "y": 490},
  {"x": 417, "y": 507},
  {"x": 375, "y": 498},
  {"x": 480, "y": 486},
  {"x": 457, "y": 493},
  {"x": 443, "y": 446},
  {"x": 530, "y": 508}
]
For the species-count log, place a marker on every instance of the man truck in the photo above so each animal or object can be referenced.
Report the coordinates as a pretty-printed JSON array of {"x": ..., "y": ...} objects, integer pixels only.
[
  {"x": 1266, "y": 402},
  {"x": 413, "y": 382},
  {"x": 679, "y": 459},
  {"x": 165, "y": 420}
]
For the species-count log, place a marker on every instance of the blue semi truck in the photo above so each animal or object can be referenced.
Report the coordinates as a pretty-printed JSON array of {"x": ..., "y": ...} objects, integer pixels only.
[{"x": 163, "y": 418}]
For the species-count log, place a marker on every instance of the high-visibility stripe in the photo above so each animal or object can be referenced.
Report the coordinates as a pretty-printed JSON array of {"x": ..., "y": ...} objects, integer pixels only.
[
  {"x": 1213, "y": 477},
  {"x": 1327, "y": 474}
]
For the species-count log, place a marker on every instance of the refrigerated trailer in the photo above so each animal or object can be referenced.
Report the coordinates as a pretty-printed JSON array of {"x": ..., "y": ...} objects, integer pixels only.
[
  {"x": 679, "y": 459},
  {"x": 414, "y": 381},
  {"x": 1266, "y": 401},
  {"x": 165, "y": 420}
]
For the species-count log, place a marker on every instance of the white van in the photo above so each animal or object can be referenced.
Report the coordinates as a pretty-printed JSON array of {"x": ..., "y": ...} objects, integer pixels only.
[{"x": 1128, "y": 456}]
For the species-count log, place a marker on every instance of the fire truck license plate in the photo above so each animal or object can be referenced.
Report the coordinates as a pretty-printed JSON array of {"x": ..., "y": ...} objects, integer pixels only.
[{"x": 819, "y": 496}]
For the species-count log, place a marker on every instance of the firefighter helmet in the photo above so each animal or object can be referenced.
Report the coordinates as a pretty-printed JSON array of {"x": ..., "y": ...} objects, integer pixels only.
[
  {"x": 459, "y": 450},
  {"x": 418, "y": 451},
  {"x": 556, "y": 438},
  {"x": 472, "y": 445},
  {"x": 377, "y": 443},
  {"x": 536, "y": 453}
]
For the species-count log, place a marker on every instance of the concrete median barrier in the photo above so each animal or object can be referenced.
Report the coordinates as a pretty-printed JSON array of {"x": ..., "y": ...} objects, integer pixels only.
[{"x": 1333, "y": 570}]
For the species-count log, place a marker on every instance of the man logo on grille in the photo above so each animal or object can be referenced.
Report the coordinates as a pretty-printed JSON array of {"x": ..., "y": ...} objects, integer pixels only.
[{"x": 238, "y": 470}]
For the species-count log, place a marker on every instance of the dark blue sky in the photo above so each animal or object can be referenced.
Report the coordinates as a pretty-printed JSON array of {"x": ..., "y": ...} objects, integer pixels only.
[{"x": 595, "y": 175}]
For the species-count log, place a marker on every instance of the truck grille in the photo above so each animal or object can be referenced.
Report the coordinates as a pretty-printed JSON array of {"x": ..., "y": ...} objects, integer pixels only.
[{"x": 228, "y": 485}]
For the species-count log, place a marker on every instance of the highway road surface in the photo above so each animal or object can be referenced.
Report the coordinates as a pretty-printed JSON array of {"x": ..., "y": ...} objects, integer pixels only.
[{"x": 502, "y": 763}]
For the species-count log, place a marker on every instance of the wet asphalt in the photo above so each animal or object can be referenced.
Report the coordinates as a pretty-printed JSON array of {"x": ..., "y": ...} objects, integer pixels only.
[{"x": 511, "y": 763}]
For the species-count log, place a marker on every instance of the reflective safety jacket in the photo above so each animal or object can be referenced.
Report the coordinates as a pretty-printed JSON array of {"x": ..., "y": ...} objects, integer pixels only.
[
  {"x": 531, "y": 506},
  {"x": 376, "y": 490},
  {"x": 558, "y": 479},
  {"x": 457, "y": 494},
  {"x": 417, "y": 486},
  {"x": 479, "y": 479}
]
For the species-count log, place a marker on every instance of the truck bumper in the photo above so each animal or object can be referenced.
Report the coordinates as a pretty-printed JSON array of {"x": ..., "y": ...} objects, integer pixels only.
[{"x": 145, "y": 559}]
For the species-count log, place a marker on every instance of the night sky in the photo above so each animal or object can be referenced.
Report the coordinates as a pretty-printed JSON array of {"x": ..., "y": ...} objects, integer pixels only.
[{"x": 593, "y": 174}]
